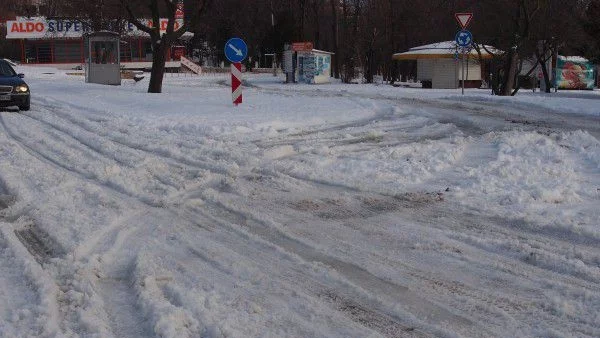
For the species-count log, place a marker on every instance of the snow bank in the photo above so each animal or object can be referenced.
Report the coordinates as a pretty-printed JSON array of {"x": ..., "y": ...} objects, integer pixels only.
[{"x": 531, "y": 174}]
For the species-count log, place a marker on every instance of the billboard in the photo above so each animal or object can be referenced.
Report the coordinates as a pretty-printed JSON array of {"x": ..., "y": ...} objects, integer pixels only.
[
  {"x": 302, "y": 46},
  {"x": 574, "y": 73},
  {"x": 42, "y": 28},
  {"x": 179, "y": 13}
]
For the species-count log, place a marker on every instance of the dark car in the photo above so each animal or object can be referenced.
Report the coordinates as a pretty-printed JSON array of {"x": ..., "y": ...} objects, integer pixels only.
[{"x": 13, "y": 90}]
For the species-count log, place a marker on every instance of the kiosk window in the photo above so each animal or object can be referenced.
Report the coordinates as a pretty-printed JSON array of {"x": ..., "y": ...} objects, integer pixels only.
[{"x": 104, "y": 52}]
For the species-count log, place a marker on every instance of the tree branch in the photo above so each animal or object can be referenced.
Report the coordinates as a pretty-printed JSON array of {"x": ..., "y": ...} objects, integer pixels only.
[
  {"x": 135, "y": 21},
  {"x": 153, "y": 5}
]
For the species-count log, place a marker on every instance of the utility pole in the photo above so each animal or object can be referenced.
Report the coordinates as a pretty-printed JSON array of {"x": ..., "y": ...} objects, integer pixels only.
[{"x": 463, "y": 71}]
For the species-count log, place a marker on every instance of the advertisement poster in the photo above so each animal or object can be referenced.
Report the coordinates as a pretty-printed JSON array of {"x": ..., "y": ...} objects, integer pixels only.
[{"x": 574, "y": 73}]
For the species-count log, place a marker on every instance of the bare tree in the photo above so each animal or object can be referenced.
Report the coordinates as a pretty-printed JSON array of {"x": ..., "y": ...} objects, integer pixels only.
[
  {"x": 161, "y": 43},
  {"x": 334, "y": 30}
]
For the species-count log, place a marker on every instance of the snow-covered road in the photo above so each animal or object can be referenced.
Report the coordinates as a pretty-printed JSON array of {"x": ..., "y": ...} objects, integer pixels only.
[{"x": 328, "y": 211}]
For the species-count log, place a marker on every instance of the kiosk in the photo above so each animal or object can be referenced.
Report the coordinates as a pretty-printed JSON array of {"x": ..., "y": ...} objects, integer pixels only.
[
  {"x": 314, "y": 66},
  {"x": 102, "y": 58}
]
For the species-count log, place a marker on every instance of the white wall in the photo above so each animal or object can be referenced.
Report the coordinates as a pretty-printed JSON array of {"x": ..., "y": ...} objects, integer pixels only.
[
  {"x": 425, "y": 69},
  {"x": 445, "y": 74},
  {"x": 473, "y": 73}
]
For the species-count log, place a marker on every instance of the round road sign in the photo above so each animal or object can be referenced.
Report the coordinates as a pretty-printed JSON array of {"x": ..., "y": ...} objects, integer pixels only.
[
  {"x": 464, "y": 38},
  {"x": 236, "y": 50}
]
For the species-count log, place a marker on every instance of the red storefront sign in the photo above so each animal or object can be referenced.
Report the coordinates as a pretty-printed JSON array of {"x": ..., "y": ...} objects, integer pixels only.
[
  {"x": 41, "y": 28},
  {"x": 178, "y": 52},
  {"x": 302, "y": 46},
  {"x": 179, "y": 12}
]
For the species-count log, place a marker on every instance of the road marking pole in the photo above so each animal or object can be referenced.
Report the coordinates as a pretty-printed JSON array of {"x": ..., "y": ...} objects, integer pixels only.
[
  {"x": 236, "y": 83},
  {"x": 236, "y": 51}
]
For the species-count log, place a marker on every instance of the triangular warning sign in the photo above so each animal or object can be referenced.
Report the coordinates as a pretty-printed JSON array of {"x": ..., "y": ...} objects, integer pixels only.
[{"x": 464, "y": 19}]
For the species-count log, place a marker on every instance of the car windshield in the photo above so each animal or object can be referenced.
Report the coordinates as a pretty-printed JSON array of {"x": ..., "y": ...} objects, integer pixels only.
[{"x": 6, "y": 70}]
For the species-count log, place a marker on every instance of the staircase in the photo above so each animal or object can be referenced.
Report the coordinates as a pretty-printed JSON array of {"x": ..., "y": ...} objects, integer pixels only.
[{"x": 191, "y": 65}]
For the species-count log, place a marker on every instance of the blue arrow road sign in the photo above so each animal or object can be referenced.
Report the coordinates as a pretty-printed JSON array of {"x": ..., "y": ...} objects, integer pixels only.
[
  {"x": 236, "y": 50},
  {"x": 464, "y": 38}
]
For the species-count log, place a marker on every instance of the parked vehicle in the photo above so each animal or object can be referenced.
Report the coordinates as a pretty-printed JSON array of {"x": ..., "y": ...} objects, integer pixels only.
[{"x": 13, "y": 90}]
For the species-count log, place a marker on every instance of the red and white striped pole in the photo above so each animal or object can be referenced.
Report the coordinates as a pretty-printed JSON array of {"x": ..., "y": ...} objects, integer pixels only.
[{"x": 236, "y": 83}]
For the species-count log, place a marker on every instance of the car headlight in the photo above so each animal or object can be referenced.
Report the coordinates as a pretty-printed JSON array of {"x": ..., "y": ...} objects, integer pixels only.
[{"x": 21, "y": 88}]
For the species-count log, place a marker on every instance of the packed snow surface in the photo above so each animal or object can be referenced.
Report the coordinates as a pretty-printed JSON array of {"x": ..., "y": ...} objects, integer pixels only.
[{"x": 307, "y": 211}]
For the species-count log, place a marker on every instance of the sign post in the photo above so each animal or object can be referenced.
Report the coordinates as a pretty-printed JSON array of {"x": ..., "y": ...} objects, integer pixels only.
[
  {"x": 236, "y": 51},
  {"x": 464, "y": 40}
]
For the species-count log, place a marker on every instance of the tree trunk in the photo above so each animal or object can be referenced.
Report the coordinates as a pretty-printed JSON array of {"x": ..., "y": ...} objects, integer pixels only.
[
  {"x": 542, "y": 62},
  {"x": 159, "y": 58},
  {"x": 302, "y": 15},
  {"x": 317, "y": 25},
  {"x": 517, "y": 81},
  {"x": 369, "y": 65},
  {"x": 351, "y": 53},
  {"x": 543, "y": 53},
  {"x": 510, "y": 71},
  {"x": 334, "y": 29},
  {"x": 546, "y": 77}
]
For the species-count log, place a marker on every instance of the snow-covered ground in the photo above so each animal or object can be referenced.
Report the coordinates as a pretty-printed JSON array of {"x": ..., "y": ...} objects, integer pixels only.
[{"x": 308, "y": 211}]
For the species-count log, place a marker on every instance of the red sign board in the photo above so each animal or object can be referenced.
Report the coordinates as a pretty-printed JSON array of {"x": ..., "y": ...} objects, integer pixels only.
[
  {"x": 302, "y": 46},
  {"x": 464, "y": 19},
  {"x": 179, "y": 12},
  {"x": 177, "y": 52}
]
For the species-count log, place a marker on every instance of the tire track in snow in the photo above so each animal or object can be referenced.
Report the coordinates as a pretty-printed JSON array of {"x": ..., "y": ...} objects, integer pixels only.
[
  {"x": 84, "y": 175},
  {"x": 522, "y": 307},
  {"x": 27, "y": 304},
  {"x": 27, "y": 283},
  {"x": 293, "y": 276},
  {"x": 541, "y": 118},
  {"x": 115, "y": 289},
  {"x": 139, "y": 146},
  {"x": 114, "y": 286},
  {"x": 124, "y": 160},
  {"x": 5, "y": 199},
  {"x": 40, "y": 245},
  {"x": 127, "y": 160},
  {"x": 354, "y": 274}
]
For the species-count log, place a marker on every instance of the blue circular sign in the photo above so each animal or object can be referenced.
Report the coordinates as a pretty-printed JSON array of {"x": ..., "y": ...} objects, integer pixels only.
[
  {"x": 236, "y": 50},
  {"x": 464, "y": 38}
]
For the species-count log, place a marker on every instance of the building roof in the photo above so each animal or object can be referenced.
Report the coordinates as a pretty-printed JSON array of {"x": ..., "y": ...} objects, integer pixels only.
[
  {"x": 443, "y": 50},
  {"x": 316, "y": 51},
  {"x": 573, "y": 58}
]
